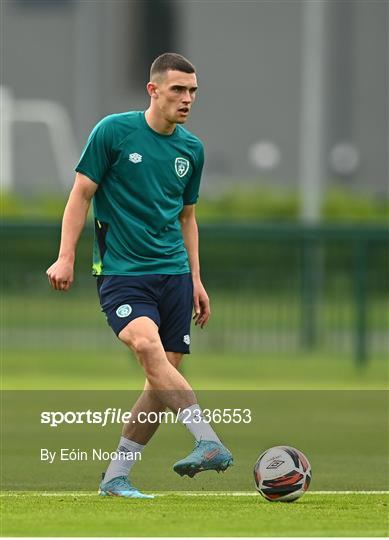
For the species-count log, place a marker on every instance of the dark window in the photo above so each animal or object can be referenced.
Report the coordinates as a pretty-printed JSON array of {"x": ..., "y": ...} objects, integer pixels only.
[{"x": 158, "y": 32}]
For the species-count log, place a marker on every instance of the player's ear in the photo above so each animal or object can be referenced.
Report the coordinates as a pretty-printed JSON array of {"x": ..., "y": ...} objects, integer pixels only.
[{"x": 152, "y": 89}]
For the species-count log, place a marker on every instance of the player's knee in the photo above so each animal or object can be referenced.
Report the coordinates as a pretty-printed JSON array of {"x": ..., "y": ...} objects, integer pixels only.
[{"x": 144, "y": 346}]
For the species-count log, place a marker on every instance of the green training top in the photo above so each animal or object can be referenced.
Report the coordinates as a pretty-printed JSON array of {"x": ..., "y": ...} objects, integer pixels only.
[{"x": 144, "y": 180}]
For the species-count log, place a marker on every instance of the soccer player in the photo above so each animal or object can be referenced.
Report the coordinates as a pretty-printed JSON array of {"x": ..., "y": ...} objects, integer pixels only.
[{"x": 143, "y": 170}]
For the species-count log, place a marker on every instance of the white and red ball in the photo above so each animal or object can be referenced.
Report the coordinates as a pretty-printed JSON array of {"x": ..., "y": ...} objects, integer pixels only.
[{"x": 282, "y": 473}]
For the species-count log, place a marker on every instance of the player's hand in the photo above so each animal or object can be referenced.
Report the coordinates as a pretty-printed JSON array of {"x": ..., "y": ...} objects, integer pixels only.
[
  {"x": 201, "y": 305},
  {"x": 61, "y": 275}
]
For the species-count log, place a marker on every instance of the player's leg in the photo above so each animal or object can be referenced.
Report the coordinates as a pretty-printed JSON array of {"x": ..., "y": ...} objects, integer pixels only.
[
  {"x": 131, "y": 305},
  {"x": 142, "y": 337},
  {"x": 137, "y": 325},
  {"x": 123, "y": 299},
  {"x": 173, "y": 391},
  {"x": 135, "y": 435},
  {"x": 148, "y": 401},
  {"x": 176, "y": 308}
]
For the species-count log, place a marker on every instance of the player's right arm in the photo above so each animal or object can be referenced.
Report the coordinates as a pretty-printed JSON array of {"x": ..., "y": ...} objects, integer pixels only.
[{"x": 61, "y": 273}]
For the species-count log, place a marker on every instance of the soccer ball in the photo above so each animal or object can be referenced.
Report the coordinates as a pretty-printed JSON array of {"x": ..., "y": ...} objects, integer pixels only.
[{"x": 282, "y": 473}]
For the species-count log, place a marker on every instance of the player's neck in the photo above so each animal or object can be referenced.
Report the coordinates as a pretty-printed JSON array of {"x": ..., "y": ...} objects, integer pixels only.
[{"x": 159, "y": 124}]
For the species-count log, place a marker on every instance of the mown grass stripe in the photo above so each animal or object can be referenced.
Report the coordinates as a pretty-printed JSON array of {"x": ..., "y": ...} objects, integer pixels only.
[{"x": 184, "y": 493}]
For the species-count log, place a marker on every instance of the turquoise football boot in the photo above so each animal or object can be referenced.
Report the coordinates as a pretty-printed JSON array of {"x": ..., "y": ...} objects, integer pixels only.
[
  {"x": 121, "y": 487},
  {"x": 206, "y": 456}
]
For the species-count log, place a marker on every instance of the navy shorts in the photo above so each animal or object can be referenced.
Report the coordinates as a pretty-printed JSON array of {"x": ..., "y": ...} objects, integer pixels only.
[{"x": 166, "y": 299}]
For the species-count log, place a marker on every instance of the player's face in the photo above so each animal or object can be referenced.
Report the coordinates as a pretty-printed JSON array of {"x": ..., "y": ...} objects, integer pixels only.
[{"x": 175, "y": 93}]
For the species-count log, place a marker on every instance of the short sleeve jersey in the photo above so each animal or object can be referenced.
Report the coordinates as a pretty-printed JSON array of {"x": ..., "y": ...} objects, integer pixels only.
[{"x": 144, "y": 180}]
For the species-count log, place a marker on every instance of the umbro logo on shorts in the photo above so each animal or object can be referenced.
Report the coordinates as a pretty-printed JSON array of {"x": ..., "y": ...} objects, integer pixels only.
[
  {"x": 135, "y": 157},
  {"x": 124, "y": 311}
]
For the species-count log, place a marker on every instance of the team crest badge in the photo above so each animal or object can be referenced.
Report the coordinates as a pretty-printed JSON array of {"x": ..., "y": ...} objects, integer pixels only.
[
  {"x": 124, "y": 311},
  {"x": 182, "y": 166}
]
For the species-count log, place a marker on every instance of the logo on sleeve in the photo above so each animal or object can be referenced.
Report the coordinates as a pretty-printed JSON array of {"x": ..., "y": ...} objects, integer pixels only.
[
  {"x": 182, "y": 166},
  {"x": 135, "y": 157},
  {"x": 124, "y": 311}
]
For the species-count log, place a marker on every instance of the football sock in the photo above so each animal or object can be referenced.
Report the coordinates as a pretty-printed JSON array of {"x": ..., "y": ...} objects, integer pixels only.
[
  {"x": 192, "y": 417},
  {"x": 126, "y": 458}
]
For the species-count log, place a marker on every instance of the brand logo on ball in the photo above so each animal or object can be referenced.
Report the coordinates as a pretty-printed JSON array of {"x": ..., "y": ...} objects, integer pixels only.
[
  {"x": 275, "y": 464},
  {"x": 182, "y": 166},
  {"x": 124, "y": 311}
]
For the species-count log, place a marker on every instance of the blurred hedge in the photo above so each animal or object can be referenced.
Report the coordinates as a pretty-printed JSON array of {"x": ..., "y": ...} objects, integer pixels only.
[{"x": 240, "y": 204}]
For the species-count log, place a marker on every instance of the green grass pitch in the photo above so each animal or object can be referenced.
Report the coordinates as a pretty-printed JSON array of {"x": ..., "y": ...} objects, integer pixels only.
[
  {"x": 41, "y": 358},
  {"x": 85, "y": 514}
]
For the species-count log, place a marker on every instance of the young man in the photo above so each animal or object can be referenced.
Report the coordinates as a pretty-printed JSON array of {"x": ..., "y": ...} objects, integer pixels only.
[{"x": 143, "y": 170}]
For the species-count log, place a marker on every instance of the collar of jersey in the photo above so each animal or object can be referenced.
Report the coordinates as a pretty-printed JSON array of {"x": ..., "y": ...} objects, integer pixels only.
[{"x": 161, "y": 135}]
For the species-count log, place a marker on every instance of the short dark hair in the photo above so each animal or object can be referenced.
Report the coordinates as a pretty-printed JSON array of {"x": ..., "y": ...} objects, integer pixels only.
[{"x": 170, "y": 61}]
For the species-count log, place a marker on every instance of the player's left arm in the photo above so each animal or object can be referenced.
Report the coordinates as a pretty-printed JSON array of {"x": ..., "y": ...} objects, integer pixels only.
[{"x": 190, "y": 235}]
